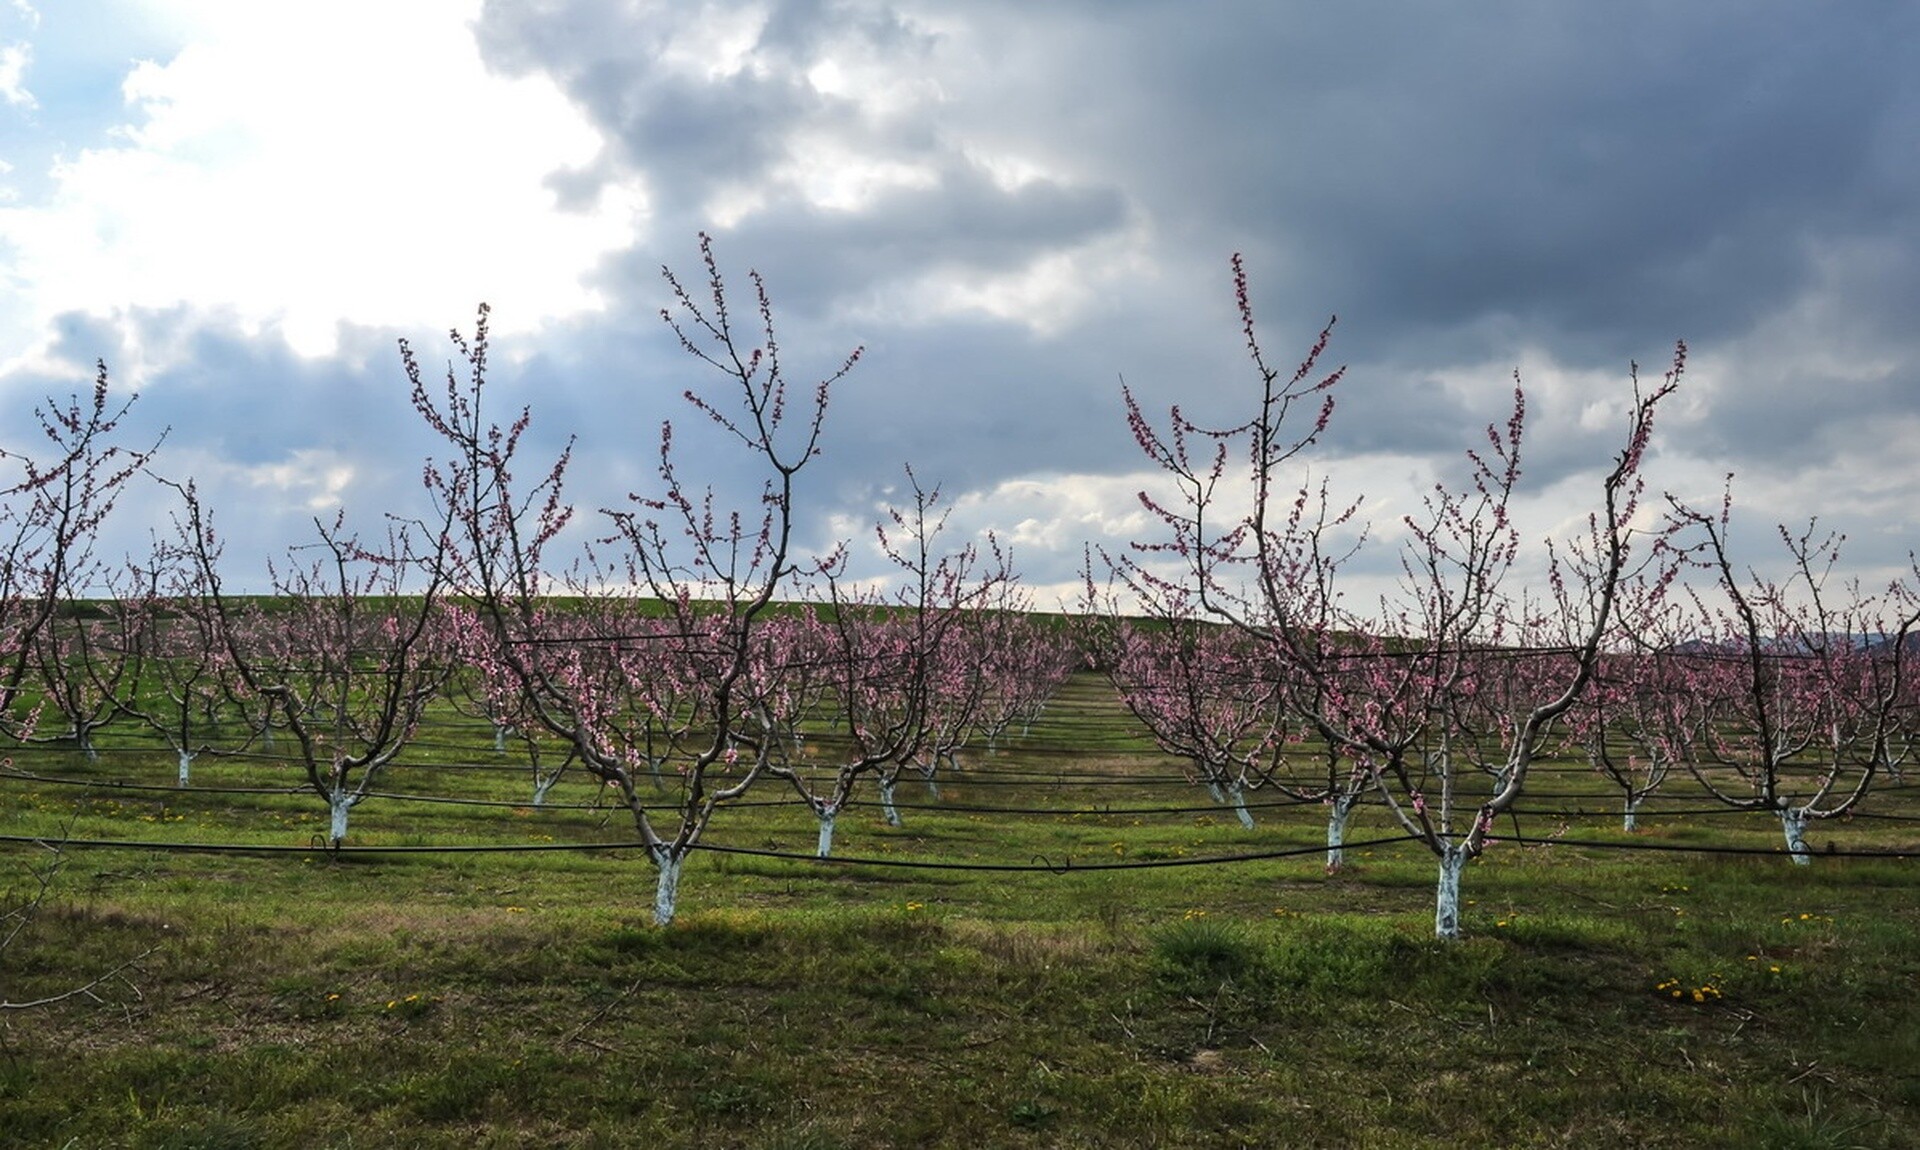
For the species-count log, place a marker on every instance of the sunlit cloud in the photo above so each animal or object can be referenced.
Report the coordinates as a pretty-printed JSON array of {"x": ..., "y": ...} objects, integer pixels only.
[{"x": 293, "y": 167}]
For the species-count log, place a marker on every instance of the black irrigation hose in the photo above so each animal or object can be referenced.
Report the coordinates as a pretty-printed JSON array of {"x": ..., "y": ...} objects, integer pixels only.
[
  {"x": 973, "y": 775},
  {"x": 114, "y": 785},
  {"x": 1062, "y": 867},
  {"x": 976, "y": 774},
  {"x": 272, "y": 849},
  {"x": 451, "y": 800},
  {"x": 1685, "y": 848},
  {"x": 1100, "y": 812},
  {"x": 1644, "y": 815}
]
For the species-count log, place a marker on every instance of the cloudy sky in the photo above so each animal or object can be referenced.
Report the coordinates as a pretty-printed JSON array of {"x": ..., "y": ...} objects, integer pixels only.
[{"x": 1014, "y": 207}]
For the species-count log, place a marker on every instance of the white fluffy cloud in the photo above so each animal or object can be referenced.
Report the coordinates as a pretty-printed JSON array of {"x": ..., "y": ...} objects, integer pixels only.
[{"x": 303, "y": 165}]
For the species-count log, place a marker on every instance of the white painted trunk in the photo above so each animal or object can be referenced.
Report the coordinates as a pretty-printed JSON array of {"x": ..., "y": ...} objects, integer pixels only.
[
  {"x": 541, "y": 785},
  {"x": 826, "y": 816},
  {"x": 1213, "y": 789},
  {"x": 1793, "y": 824},
  {"x": 339, "y": 803},
  {"x": 933, "y": 788},
  {"x": 886, "y": 803},
  {"x": 1446, "y": 903},
  {"x": 667, "y": 888},
  {"x": 1338, "y": 812},
  {"x": 1629, "y": 818},
  {"x": 500, "y": 733},
  {"x": 186, "y": 767},
  {"x": 1239, "y": 796}
]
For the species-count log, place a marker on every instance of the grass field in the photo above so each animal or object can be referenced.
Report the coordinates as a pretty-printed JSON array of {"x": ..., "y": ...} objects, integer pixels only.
[{"x": 1602, "y": 996}]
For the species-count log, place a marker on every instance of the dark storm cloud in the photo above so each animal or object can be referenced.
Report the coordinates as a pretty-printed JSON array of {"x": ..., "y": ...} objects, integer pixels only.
[
  {"x": 1599, "y": 178},
  {"x": 964, "y": 223},
  {"x": 1601, "y": 173}
]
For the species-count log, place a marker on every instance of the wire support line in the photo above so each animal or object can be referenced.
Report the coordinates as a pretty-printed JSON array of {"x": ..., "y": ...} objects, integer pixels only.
[
  {"x": 116, "y": 785},
  {"x": 1688, "y": 848},
  {"x": 1065, "y": 866},
  {"x": 1719, "y": 810},
  {"x": 741, "y": 804},
  {"x": 313, "y": 849},
  {"x": 968, "y": 775}
]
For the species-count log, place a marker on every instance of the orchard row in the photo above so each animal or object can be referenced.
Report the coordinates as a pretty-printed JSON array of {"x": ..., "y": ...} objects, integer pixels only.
[{"x": 695, "y": 639}]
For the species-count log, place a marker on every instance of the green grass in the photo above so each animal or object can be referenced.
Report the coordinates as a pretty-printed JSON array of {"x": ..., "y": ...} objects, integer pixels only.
[{"x": 523, "y": 999}]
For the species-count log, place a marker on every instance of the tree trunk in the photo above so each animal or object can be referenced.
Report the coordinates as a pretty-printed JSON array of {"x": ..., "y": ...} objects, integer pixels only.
[
  {"x": 825, "y": 812},
  {"x": 1629, "y": 818},
  {"x": 1337, "y": 814},
  {"x": 1793, "y": 823},
  {"x": 186, "y": 767},
  {"x": 339, "y": 803},
  {"x": 886, "y": 803},
  {"x": 1446, "y": 905},
  {"x": 667, "y": 889},
  {"x": 1238, "y": 794}
]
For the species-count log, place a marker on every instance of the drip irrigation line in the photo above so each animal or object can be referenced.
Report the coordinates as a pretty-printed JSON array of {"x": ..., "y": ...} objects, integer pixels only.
[
  {"x": 1888, "y": 818},
  {"x": 113, "y": 785},
  {"x": 454, "y": 800},
  {"x": 965, "y": 775},
  {"x": 1706, "y": 810},
  {"x": 1775, "y": 852},
  {"x": 280, "y": 849},
  {"x": 1065, "y": 866},
  {"x": 963, "y": 808},
  {"x": 1644, "y": 813}
]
